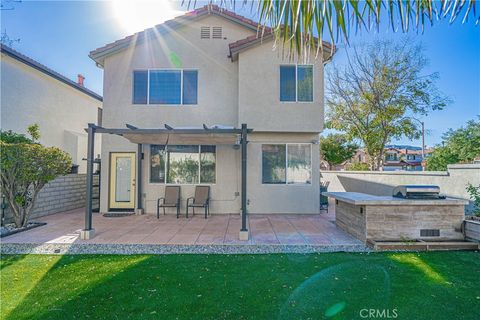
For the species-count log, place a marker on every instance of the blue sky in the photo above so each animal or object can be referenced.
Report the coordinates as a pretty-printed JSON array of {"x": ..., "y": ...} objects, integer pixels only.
[{"x": 60, "y": 34}]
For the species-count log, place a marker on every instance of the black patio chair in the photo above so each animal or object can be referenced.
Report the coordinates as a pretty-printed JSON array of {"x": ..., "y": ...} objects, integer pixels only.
[
  {"x": 171, "y": 200},
  {"x": 200, "y": 200}
]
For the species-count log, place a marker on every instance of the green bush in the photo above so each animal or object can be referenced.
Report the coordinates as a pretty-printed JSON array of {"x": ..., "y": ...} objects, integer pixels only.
[
  {"x": 26, "y": 166},
  {"x": 474, "y": 193}
]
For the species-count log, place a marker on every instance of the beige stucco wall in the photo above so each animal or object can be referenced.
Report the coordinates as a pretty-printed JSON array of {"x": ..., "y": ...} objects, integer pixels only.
[
  {"x": 218, "y": 103},
  {"x": 225, "y": 193},
  {"x": 281, "y": 198},
  {"x": 217, "y": 78},
  {"x": 259, "y": 93},
  {"x": 29, "y": 96}
]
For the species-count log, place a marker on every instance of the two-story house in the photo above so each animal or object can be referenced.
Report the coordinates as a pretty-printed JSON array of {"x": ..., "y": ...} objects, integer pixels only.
[
  {"x": 403, "y": 158},
  {"x": 32, "y": 93},
  {"x": 210, "y": 70}
]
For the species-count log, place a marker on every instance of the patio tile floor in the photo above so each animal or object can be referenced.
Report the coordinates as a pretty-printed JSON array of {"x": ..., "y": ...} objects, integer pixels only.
[{"x": 274, "y": 229}]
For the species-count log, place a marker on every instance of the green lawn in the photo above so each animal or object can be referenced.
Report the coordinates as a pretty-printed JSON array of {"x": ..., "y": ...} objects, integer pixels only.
[{"x": 438, "y": 285}]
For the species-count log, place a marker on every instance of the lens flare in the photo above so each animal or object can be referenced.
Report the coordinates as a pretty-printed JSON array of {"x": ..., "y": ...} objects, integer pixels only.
[{"x": 136, "y": 16}]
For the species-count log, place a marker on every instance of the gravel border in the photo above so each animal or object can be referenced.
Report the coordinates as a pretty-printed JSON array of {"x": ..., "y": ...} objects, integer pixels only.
[
  {"x": 30, "y": 226},
  {"x": 97, "y": 248}
]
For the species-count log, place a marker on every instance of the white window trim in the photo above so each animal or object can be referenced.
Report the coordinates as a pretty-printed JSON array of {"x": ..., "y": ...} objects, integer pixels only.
[
  {"x": 296, "y": 82},
  {"x": 182, "y": 184},
  {"x": 286, "y": 165},
  {"x": 181, "y": 87}
]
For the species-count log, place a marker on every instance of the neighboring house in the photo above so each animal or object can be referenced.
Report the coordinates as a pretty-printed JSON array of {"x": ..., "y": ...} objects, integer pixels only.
[
  {"x": 404, "y": 158},
  {"x": 32, "y": 93},
  {"x": 397, "y": 158},
  {"x": 210, "y": 67}
]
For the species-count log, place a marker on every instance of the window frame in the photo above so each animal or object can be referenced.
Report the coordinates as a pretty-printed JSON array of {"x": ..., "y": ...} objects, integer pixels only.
[
  {"x": 133, "y": 86},
  {"x": 392, "y": 155},
  {"x": 148, "y": 87},
  {"x": 182, "y": 184},
  {"x": 296, "y": 82},
  {"x": 286, "y": 165}
]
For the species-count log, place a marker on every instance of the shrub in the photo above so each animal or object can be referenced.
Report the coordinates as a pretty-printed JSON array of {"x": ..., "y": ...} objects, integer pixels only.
[
  {"x": 474, "y": 193},
  {"x": 26, "y": 166}
]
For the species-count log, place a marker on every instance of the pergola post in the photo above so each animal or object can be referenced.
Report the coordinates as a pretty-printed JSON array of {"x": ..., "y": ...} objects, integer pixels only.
[
  {"x": 138, "y": 182},
  {"x": 244, "y": 231},
  {"x": 89, "y": 232}
]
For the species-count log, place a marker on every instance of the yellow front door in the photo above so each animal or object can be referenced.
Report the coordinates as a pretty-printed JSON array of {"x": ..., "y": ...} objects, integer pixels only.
[{"x": 122, "y": 180}]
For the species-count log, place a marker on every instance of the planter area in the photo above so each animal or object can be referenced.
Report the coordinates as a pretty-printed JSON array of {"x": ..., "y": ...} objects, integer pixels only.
[{"x": 10, "y": 228}]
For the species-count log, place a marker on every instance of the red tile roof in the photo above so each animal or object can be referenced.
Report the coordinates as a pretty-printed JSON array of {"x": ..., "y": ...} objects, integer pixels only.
[{"x": 257, "y": 38}]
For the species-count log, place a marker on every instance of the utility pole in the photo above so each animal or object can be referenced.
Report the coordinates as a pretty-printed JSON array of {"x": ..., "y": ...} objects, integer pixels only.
[{"x": 423, "y": 141}]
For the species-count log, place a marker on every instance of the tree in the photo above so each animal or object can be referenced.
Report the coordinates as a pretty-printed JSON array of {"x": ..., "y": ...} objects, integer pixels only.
[
  {"x": 7, "y": 5},
  {"x": 461, "y": 145},
  {"x": 336, "y": 149},
  {"x": 295, "y": 24},
  {"x": 374, "y": 97},
  {"x": 474, "y": 192},
  {"x": 26, "y": 166},
  {"x": 358, "y": 166}
]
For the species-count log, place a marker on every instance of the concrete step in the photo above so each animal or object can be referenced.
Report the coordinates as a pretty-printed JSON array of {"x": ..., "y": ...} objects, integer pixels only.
[{"x": 425, "y": 246}]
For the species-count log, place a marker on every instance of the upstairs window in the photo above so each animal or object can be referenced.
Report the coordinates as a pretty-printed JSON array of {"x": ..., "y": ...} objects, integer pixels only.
[
  {"x": 190, "y": 80},
  {"x": 165, "y": 87},
  {"x": 140, "y": 87},
  {"x": 296, "y": 83},
  {"x": 391, "y": 157},
  {"x": 172, "y": 86}
]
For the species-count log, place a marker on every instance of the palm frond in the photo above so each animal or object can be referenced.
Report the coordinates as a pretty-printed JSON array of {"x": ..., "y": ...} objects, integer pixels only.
[{"x": 302, "y": 25}]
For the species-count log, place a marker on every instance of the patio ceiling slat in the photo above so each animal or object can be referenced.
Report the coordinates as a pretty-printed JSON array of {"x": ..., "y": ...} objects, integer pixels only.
[{"x": 181, "y": 138}]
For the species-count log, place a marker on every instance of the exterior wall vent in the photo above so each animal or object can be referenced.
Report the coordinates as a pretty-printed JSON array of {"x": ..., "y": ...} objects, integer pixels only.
[
  {"x": 429, "y": 233},
  {"x": 217, "y": 32},
  {"x": 205, "y": 33}
]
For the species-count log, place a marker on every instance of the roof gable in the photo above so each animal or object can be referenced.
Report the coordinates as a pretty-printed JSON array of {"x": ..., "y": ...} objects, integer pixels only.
[
  {"x": 266, "y": 35},
  {"x": 99, "y": 54}
]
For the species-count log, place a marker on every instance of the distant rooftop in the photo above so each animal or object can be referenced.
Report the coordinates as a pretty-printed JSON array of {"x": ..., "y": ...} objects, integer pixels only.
[{"x": 402, "y": 146}]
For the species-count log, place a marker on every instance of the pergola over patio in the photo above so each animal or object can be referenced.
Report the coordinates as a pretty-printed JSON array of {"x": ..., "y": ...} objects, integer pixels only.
[{"x": 168, "y": 135}]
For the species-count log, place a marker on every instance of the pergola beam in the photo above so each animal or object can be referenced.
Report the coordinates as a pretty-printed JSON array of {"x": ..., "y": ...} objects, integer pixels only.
[
  {"x": 121, "y": 131},
  {"x": 92, "y": 129}
]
